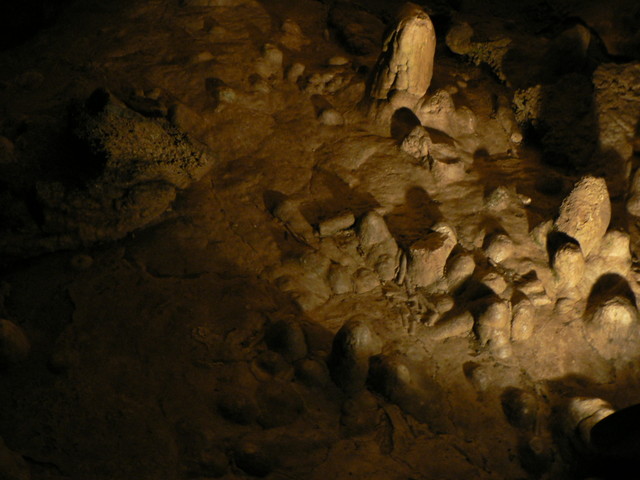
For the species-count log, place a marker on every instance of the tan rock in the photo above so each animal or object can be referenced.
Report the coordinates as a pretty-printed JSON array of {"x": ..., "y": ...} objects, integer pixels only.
[
  {"x": 568, "y": 264},
  {"x": 428, "y": 257},
  {"x": 406, "y": 61},
  {"x": 522, "y": 320},
  {"x": 585, "y": 214}
]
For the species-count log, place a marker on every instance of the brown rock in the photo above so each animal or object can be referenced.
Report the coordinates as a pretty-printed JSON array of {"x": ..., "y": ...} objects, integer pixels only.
[
  {"x": 14, "y": 344},
  {"x": 428, "y": 257}
]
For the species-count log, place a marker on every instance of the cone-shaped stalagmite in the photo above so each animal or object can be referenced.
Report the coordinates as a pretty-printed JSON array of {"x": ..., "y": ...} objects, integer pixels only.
[{"x": 405, "y": 65}]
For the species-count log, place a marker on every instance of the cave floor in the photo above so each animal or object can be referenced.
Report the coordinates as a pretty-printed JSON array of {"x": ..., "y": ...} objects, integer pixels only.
[{"x": 151, "y": 355}]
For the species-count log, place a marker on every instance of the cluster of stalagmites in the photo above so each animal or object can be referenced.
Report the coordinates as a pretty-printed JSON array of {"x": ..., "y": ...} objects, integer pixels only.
[{"x": 489, "y": 290}]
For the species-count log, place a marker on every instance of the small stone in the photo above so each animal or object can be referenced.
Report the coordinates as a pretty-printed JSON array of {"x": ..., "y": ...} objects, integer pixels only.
[
  {"x": 520, "y": 407},
  {"x": 494, "y": 320},
  {"x": 14, "y": 344},
  {"x": 269, "y": 66},
  {"x": 568, "y": 264},
  {"x": 338, "y": 61},
  {"x": 495, "y": 282},
  {"x": 540, "y": 233},
  {"x": 456, "y": 326},
  {"x": 333, "y": 225},
  {"x": 459, "y": 269},
  {"x": 201, "y": 57},
  {"x": 613, "y": 328},
  {"x": 585, "y": 214},
  {"x": 289, "y": 213},
  {"x": 523, "y": 320},
  {"x": 352, "y": 347},
  {"x": 365, "y": 280},
  {"x": 616, "y": 244},
  {"x": 373, "y": 230},
  {"x": 499, "y": 248},
  {"x": 294, "y": 72},
  {"x": 331, "y": 117},
  {"x": 286, "y": 338},
  {"x": 81, "y": 262}
]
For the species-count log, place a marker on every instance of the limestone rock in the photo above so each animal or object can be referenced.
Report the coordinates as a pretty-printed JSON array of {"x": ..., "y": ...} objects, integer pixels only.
[
  {"x": 428, "y": 257},
  {"x": 633, "y": 202},
  {"x": 493, "y": 322},
  {"x": 294, "y": 72},
  {"x": 523, "y": 320},
  {"x": 582, "y": 415},
  {"x": 438, "y": 111},
  {"x": 269, "y": 65},
  {"x": 331, "y": 117},
  {"x": 406, "y": 61},
  {"x": 288, "y": 212},
  {"x": 568, "y": 264},
  {"x": 292, "y": 36},
  {"x": 352, "y": 347},
  {"x": 130, "y": 170},
  {"x": 499, "y": 248},
  {"x": 613, "y": 329},
  {"x": 389, "y": 375},
  {"x": 365, "y": 280},
  {"x": 312, "y": 373},
  {"x": 14, "y": 344},
  {"x": 378, "y": 246},
  {"x": 458, "y": 269},
  {"x": 617, "y": 102},
  {"x": 459, "y": 325},
  {"x": 585, "y": 214}
]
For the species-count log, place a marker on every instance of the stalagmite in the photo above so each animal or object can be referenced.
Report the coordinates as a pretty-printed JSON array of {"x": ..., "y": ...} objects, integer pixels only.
[{"x": 404, "y": 69}]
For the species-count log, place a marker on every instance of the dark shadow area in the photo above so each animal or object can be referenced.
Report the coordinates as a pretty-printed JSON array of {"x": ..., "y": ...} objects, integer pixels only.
[
  {"x": 412, "y": 220},
  {"x": 403, "y": 121},
  {"x": 555, "y": 240},
  {"x": 19, "y": 21},
  {"x": 614, "y": 441},
  {"x": 608, "y": 286}
]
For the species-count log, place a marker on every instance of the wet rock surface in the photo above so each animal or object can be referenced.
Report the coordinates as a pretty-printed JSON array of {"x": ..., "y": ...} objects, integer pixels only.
[{"x": 220, "y": 265}]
